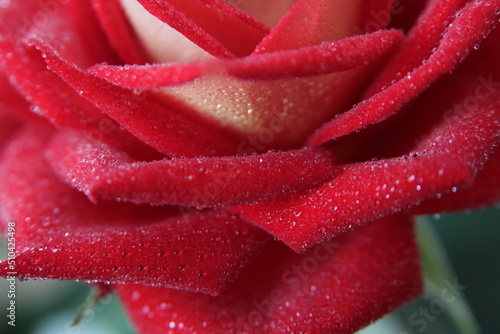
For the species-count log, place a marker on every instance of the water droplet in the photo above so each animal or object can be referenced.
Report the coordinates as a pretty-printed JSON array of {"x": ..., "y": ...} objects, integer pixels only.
[{"x": 136, "y": 295}]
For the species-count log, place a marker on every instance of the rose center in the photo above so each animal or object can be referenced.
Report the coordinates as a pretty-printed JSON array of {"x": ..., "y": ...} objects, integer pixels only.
[
  {"x": 279, "y": 113},
  {"x": 165, "y": 44}
]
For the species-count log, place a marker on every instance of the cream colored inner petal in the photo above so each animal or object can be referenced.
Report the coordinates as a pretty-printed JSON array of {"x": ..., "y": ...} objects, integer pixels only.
[
  {"x": 280, "y": 113},
  {"x": 161, "y": 42}
]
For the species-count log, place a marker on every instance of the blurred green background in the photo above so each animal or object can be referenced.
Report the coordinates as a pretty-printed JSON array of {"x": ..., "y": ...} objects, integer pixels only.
[{"x": 471, "y": 241}]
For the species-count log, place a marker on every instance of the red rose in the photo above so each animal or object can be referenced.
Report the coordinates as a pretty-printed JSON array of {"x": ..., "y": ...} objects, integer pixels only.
[{"x": 168, "y": 181}]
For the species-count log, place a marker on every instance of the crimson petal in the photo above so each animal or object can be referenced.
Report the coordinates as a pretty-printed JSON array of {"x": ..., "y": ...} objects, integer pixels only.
[
  {"x": 485, "y": 191},
  {"x": 120, "y": 33},
  {"x": 214, "y": 26},
  {"x": 87, "y": 26},
  {"x": 59, "y": 103},
  {"x": 156, "y": 124},
  {"x": 102, "y": 173},
  {"x": 450, "y": 157},
  {"x": 8, "y": 126},
  {"x": 338, "y": 287},
  {"x": 326, "y": 58},
  {"x": 458, "y": 39},
  {"x": 420, "y": 43},
  {"x": 311, "y": 22},
  {"x": 61, "y": 235}
]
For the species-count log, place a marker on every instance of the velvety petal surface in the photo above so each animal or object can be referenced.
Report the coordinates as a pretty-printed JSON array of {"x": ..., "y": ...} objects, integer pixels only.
[
  {"x": 311, "y": 22},
  {"x": 214, "y": 25},
  {"x": 61, "y": 235},
  {"x": 448, "y": 158},
  {"x": 275, "y": 114},
  {"x": 103, "y": 173},
  {"x": 86, "y": 24},
  {"x": 54, "y": 100},
  {"x": 339, "y": 286},
  {"x": 325, "y": 58},
  {"x": 485, "y": 191},
  {"x": 456, "y": 43},
  {"x": 159, "y": 124},
  {"x": 8, "y": 126},
  {"x": 119, "y": 32},
  {"x": 422, "y": 41}
]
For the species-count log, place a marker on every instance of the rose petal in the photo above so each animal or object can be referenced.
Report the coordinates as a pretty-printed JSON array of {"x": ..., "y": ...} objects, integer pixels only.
[
  {"x": 485, "y": 191},
  {"x": 35, "y": 18},
  {"x": 161, "y": 125},
  {"x": 119, "y": 32},
  {"x": 446, "y": 159},
  {"x": 8, "y": 126},
  {"x": 311, "y": 22},
  {"x": 87, "y": 25},
  {"x": 405, "y": 13},
  {"x": 459, "y": 40},
  {"x": 263, "y": 113},
  {"x": 103, "y": 173},
  {"x": 476, "y": 78},
  {"x": 215, "y": 26},
  {"x": 422, "y": 41},
  {"x": 59, "y": 103},
  {"x": 61, "y": 235},
  {"x": 268, "y": 12},
  {"x": 338, "y": 287},
  {"x": 325, "y": 58},
  {"x": 13, "y": 104}
]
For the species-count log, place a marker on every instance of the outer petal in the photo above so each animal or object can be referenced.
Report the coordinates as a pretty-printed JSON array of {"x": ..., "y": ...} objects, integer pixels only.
[
  {"x": 158, "y": 124},
  {"x": 423, "y": 40},
  {"x": 103, "y": 173},
  {"x": 338, "y": 287},
  {"x": 448, "y": 158},
  {"x": 456, "y": 43},
  {"x": 51, "y": 21},
  {"x": 485, "y": 191},
  {"x": 61, "y": 235},
  {"x": 325, "y": 58},
  {"x": 8, "y": 126},
  {"x": 59, "y": 103}
]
